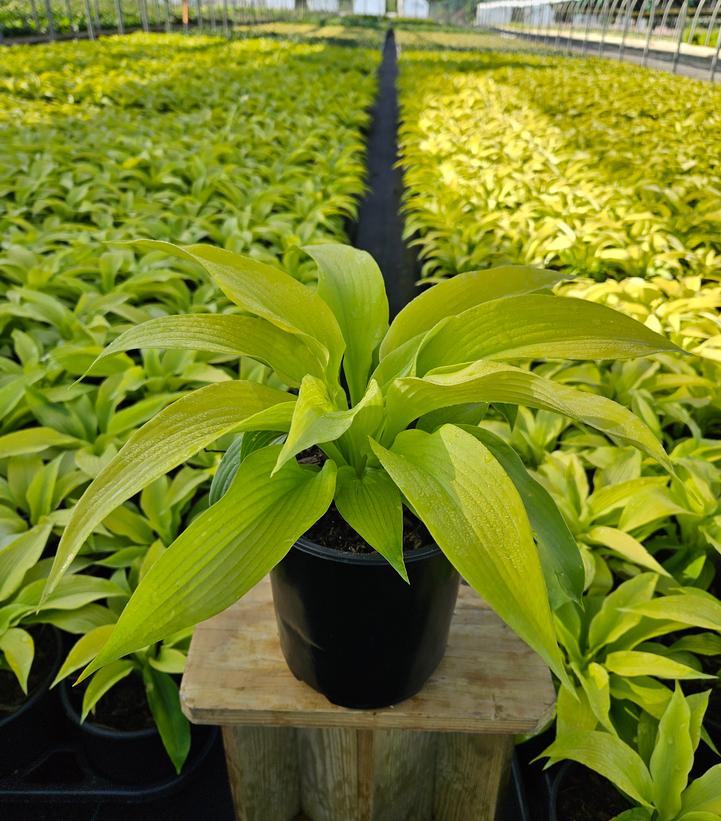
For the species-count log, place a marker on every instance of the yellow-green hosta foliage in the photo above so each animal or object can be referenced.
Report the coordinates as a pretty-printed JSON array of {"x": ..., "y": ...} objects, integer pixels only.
[
  {"x": 318, "y": 31},
  {"x": 254, "y": 145},
  {"x": 576, "y": 165},
  {"x": 675, "y": 394},
  {"x": 684, "y": 309},
  {"x": 458, "y": 40}
]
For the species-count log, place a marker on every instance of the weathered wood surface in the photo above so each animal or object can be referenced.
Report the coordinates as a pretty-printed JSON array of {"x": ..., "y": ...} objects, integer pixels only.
[
  {"x": 263, "y": 771},
  {"x": 488, "y": 682},
  {"x": 470, "y": 774},
  {"x": 368, "y": 775},
  {"x": 336, "y": 774}
]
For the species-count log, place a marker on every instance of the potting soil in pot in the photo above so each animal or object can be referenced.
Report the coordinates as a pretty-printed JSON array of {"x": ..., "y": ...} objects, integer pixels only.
[
  {"x": 586, "y": 796},
  {"x": 332, "y": 530},
  {"x": 125, "y": 707}
]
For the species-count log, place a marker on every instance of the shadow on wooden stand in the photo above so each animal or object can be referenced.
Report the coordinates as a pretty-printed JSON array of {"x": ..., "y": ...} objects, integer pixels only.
[{"x": 444, "y": 754}]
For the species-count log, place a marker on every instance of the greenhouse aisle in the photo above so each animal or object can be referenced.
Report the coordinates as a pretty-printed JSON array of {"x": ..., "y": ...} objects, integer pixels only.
[{"x": 379, "y": 229}]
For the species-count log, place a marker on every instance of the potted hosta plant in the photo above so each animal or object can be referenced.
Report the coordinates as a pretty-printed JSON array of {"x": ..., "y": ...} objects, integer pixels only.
[
  {"x": 129, "y": 717},
  {"x": 30, "y": 647},
  {"x": 653, "y": 782},
  {"x": 380, "y": 450}
]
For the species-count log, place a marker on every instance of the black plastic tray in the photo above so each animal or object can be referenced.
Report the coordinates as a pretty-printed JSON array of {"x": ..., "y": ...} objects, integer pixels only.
[{"x": 62, "y": 774}]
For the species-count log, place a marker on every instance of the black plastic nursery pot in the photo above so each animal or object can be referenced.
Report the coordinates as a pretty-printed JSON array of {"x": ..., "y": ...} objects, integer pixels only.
[
  {"x": 123, "y": 756},
  {"x": 31, "y": 726},
  {"x": 352, "y": 629}
]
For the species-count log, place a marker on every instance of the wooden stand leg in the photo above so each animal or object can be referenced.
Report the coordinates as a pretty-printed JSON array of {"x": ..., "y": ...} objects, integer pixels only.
[
  {"x": 403, "y": 764},
  {"x": 328, "y": 773},
  {"x": 263, "y": 772},
  {"x": 471, "y": 772},
  {"x": 366, "y": 775}
]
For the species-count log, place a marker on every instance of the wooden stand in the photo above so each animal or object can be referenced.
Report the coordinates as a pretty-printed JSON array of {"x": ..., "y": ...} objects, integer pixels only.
[{"x": 443, "y": 754}]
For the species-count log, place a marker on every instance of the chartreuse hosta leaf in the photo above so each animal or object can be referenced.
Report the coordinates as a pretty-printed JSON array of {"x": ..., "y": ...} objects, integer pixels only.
[
  {"x": 411, "y": 397},
  {"x": 613, "y": 620},
  {"x": 268, "y": 293},
  {"x": 17, "y": 557},
  {"x": 171, "y": 437},
  {"x": 704, "y": 794},
  {"x": 226, "y": 334},
  {"x": 34, "y": 440},
  {"x": 471, "y": 508},
  {"x": 672, "y": 756},
  {"x": 18, "y": 648},
  {"x": 351, "y": 283},
  {"x": 608, "y": 756},
  {"x": 626, "y": 546},
  {"x": 371, "y": 504},
  {"x": 596, "y": 684},
  {"x": 399, "y": 349},
  {"x": 693, "y": 607},
  {"x": 628, "y": 663},
  {"x": 70, "y": 593},
  {"x": 164, "y": 702},
  {"x": 537, "y": 326},
  {"x": 469, "y": 488},
  {"x": 461, "y": 293},
  {"x": 557, "y": 549},
  {"x": 103, "y": 681},
  {"x": 84, "y": 651},
  {"x": 224, "y": 551},
  {"x": 317, "y": 419}
]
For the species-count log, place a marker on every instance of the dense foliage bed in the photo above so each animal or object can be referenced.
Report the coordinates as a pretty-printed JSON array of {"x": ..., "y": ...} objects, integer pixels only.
[
  {"x": 582, "y": 166},
  {"x": 611, "y": 175},
  {"x": 253, "y": 145}
]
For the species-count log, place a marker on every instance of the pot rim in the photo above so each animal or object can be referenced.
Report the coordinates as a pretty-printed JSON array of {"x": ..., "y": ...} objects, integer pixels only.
[
  {"x": 333, "y": 554},
  {"x": 90, "y": 727},
  {"x": 42, "y": 688}
]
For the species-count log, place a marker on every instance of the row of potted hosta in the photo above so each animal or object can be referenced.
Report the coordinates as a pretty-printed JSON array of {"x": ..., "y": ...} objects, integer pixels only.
[
  {"x": 649, "y": 614},
  {"x": 108, "y": 140},
  {"x": 457, "y": 38},
  {"x": 254, "y": 145},
  {"x": 342, "y": 30},
  {"x": 572, "y": 164},
  {"x": 540, "y": 163}
]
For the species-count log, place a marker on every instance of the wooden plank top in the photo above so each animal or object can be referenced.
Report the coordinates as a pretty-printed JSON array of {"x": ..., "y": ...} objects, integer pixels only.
[{"x": 488, "y": 682}]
